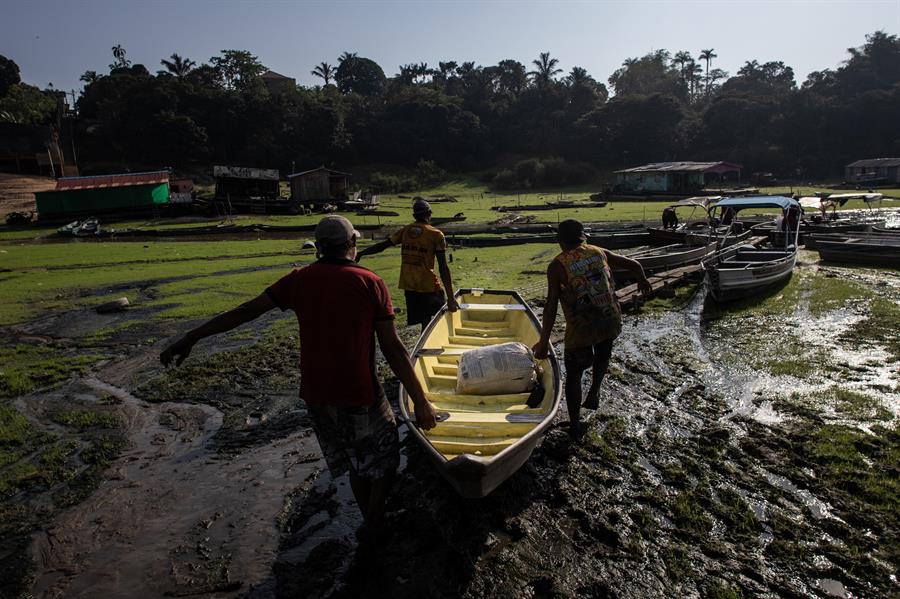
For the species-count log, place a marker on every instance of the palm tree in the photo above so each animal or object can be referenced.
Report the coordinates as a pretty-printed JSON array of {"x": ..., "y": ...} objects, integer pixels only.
[
  {"x": 325, "y": 71},
  {"x": 178, "y": 66},
  {"x": 119, "y": 54},
  {"x": 708, "y": 55},
  {"x": 681, "y": 59},
  {"x": 89, "y": 77},
  {"x": 346, "y": 56},
  {"x": 693, "y": 71},
  {"x": 578, "y": 76},
  {"x": 546, "y": 69}
]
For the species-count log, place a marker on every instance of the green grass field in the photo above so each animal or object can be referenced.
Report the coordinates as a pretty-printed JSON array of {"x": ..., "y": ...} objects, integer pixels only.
[{"x": 475, "y": 201}]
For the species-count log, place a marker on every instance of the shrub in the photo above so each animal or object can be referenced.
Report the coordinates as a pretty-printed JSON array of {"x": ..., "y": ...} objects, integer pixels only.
[{"x": 538, "y": 173}]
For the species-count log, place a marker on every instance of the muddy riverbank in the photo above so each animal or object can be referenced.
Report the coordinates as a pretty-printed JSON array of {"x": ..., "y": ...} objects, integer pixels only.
[{"x": 737, "y": 452}]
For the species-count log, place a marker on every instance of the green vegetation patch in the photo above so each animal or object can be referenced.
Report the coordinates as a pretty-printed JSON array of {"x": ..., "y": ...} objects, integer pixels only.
[
  {"x": 271, "y": 362},
  {"x": 24, "y": 368},
  {"x": 85, "y": 419},
  {"x": 881, "y": 326}
]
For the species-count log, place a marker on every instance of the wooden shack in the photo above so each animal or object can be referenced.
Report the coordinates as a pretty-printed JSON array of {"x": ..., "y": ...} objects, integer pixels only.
[
  {"x": 319, "y": 186},
  {"x": 672, "y": 177},
  {"x": 235, "y": 183},
  {"x": 873, "y": 171}
]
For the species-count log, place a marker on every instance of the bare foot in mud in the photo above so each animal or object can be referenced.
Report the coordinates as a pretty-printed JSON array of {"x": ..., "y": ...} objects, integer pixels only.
[{"x": 577, "y": 429}]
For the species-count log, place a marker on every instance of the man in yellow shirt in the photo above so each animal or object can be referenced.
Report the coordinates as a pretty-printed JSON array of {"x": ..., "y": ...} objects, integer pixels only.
[{"x": 420, "y": 244}]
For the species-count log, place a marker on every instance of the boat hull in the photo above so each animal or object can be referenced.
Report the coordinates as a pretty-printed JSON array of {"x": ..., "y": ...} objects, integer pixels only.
[
  {"x": 480, "y": 441},
  {"x": 737, "y": 278}
]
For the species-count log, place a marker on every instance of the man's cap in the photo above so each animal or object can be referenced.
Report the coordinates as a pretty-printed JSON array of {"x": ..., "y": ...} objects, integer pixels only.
[
  {"x": 571, "y": 231},
  {"x": 335, "y": 230},
  {"x": 420, "y": 206}
]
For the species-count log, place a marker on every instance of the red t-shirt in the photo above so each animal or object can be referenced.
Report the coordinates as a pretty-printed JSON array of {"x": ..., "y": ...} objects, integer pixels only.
[{"x": 337, "y": 303}]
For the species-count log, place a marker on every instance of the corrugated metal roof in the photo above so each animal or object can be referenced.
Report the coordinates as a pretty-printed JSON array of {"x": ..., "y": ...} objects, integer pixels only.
[
  {"x": 321, "y": 168},
  {"x": 244, "y": 172},
  {"x": 758, "y": 202},
  {"x": 105, "y": 181},
  {"x": 876, "y": 162},
  {"x": 702, "y": 167},
  {"x": 273, "y": 75}
]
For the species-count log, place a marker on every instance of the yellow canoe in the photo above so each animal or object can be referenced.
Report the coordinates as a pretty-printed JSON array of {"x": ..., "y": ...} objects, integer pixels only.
[{"x": 480, "y": 440}]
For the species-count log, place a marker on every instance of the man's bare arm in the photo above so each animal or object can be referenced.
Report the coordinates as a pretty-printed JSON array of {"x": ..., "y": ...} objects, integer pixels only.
[
  {"x": 632, "y": 266},
  {"x": 554, "y": 281},
  {"x": 397, "y": 358},
  {"x": 180, "y": 349},
  {"x": 375, "y": 248},
  {"x": 444, "y": 271}
]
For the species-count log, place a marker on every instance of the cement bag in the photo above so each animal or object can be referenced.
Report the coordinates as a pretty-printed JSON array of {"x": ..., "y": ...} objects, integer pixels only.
[{"x": 496, "y": 369}]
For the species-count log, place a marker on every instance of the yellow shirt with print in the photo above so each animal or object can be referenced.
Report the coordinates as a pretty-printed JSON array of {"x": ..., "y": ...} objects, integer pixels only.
[{"x": 418, "y": 242}]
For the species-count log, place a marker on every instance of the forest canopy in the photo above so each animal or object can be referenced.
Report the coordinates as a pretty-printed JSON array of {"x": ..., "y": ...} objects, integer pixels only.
[{"x": 465, "y": 117}]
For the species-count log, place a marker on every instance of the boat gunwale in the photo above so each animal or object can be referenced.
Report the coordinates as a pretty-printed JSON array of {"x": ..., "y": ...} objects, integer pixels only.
[{"x": 521, "y": 441}]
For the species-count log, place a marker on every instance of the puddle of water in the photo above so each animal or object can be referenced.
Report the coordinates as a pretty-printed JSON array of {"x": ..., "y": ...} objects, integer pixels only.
[
  {"x": 833, "y": 588},
  {"x": 654, "y": 473},
  {"x": 818, "y": 508}
]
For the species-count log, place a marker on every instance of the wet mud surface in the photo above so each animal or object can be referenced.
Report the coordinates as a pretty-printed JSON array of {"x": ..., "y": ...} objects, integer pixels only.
[{"x": 739, "y": 452}]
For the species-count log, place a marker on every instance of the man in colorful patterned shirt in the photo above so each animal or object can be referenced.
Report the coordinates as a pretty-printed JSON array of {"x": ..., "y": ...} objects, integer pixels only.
[
  {"x": 581, "y": 280},
  {"x": 420, "y": 244}
]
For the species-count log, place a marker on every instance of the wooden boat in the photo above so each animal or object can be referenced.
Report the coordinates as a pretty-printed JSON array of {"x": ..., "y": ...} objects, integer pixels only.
[
  {"x": 672, "y": 256},
  {"x": 480, "y": 440},
  {"x": 605, "y": 239},
  {"x": 865, "y": 250},
  {"x": 87, "y": 228},
  {"x": 742, "y": 271}
]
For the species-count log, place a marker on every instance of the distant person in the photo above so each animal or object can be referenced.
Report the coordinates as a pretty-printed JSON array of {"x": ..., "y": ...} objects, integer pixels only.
[
  {"x": 420, "y": 244},
  {"x": 580, "y": 279},
  {"x": 669, "y": 218},
  {"x": 341, "y": 308}
]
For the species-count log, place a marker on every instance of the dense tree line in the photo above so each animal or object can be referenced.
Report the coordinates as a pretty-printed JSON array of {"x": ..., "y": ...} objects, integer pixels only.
[{"x": 462, "y": 116}]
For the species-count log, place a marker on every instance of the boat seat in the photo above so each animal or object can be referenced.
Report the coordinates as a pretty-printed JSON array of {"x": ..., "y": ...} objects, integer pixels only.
[{"x": 458, "y": 445}]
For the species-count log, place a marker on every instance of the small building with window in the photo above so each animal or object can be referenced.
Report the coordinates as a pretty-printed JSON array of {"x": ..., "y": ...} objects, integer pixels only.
[
  {"x": 873, "y": 171},
  {"x": 320, "y": 185},
  {"x": 673, "y": 177}
]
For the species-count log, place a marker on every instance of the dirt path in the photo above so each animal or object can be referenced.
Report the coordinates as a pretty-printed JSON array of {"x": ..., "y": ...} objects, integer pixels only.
[
  {"x": 174, "y": 517},
  {"x": 17, "y": 192}
]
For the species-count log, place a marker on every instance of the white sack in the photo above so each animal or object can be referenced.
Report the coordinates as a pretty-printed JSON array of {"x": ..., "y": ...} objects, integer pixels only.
[{"x": 496, "y": 369}]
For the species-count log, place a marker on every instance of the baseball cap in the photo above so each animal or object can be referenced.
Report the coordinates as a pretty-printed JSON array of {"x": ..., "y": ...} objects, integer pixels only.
[
  {"x": 570, "y": 231},
  {"x": 420, "y": 206},
  {"x": 335, "y": 230}
]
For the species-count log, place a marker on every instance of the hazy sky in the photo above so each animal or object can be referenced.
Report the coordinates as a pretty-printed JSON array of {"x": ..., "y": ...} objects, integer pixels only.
[{"x": 56, "y": 41}]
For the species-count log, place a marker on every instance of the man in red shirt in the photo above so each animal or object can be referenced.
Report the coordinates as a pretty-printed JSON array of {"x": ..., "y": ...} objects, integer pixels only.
[{"x": 341, "y": 308}]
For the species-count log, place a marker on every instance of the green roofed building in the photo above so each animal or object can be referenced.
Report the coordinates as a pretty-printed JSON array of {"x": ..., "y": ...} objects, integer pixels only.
[{"x": 83, "y": 196}]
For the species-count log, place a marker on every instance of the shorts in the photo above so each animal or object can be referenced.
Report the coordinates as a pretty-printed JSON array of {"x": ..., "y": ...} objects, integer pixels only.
[
  {"x": 581, "y": 358},
  {"x": 363, "y": 440},
  {"x": 421, "y": 307}
]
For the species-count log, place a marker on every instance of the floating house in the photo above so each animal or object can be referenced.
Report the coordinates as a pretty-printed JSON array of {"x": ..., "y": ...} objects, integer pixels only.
[
  {"x": 104, "y": 194},
  {"x": 873, "y": 171},
  {"x": 320, "y": 185},
  {"x": 672, "y": 177},
  {"x": 236, "y": 183}
]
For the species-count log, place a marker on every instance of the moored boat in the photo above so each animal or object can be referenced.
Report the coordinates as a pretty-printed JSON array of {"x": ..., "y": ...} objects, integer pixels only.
[
  {"x": 744, "y": 271},
  {"x": 869, "y": 250},
  {"x": 480, "y": 440}
]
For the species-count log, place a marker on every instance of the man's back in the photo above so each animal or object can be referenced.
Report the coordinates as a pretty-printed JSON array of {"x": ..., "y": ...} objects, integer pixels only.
[
  {"x": 337, "y": 303},
  {"x": 418, "y": 243}
]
